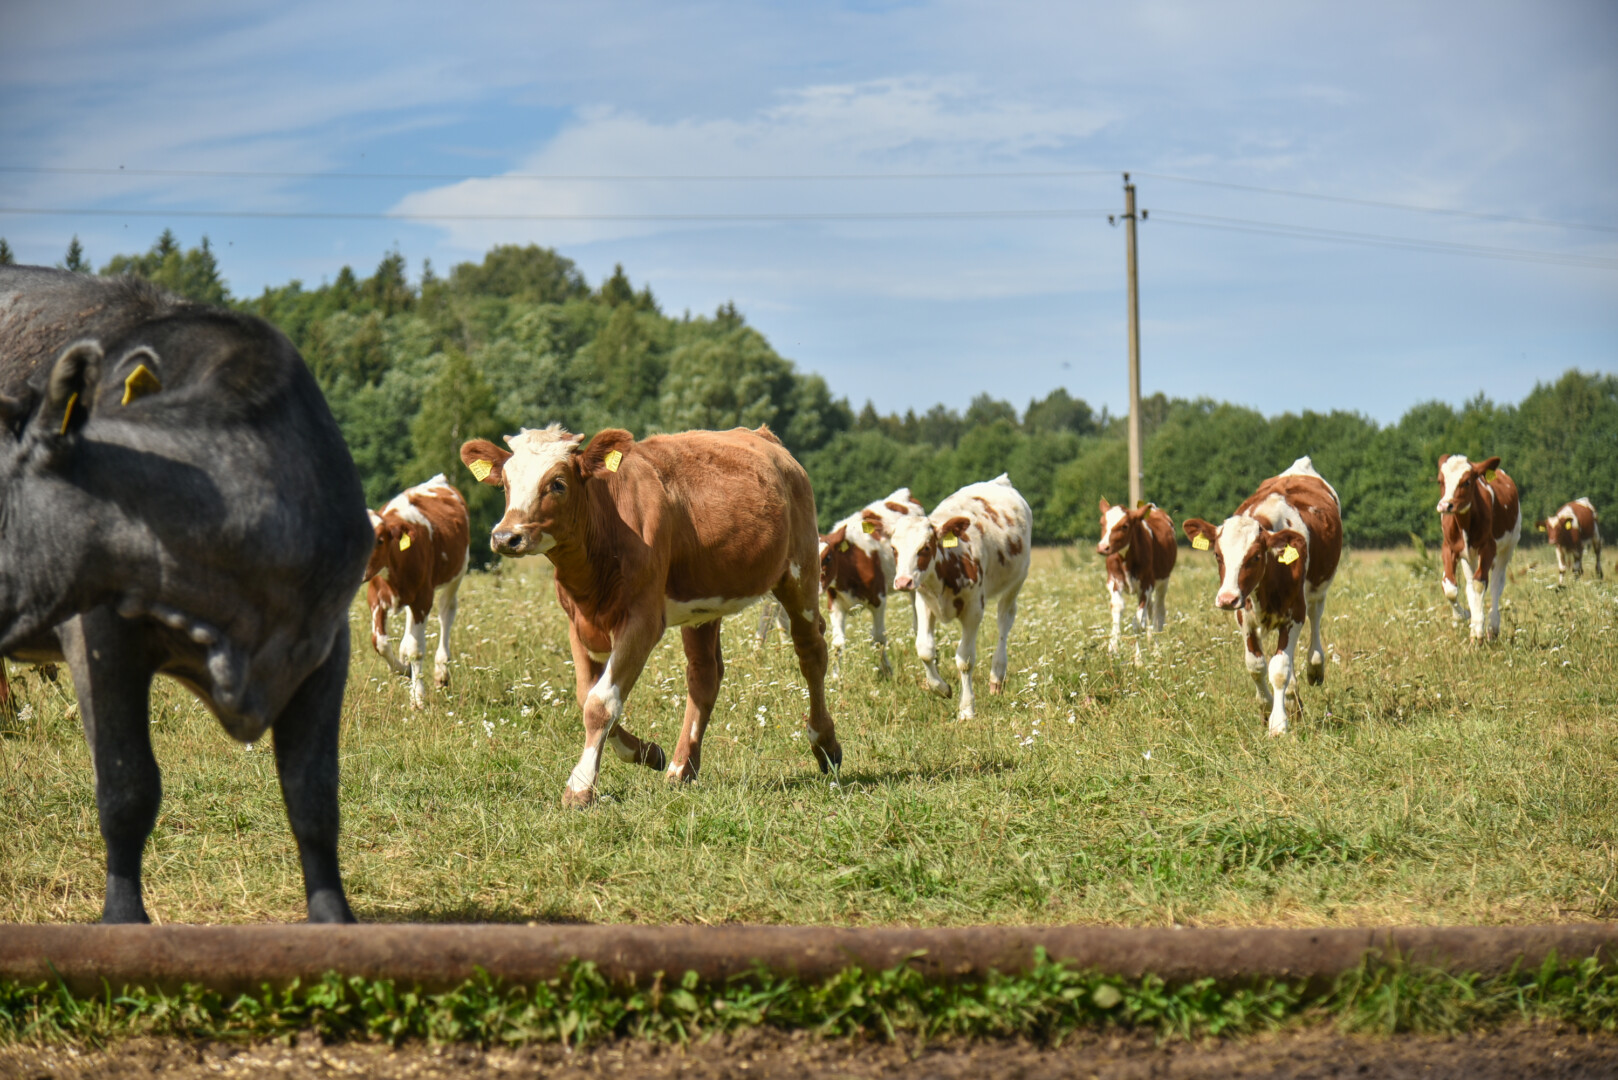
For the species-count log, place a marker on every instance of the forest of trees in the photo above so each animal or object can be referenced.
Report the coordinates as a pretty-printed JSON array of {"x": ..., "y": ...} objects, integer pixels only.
[{"x": 521, "y": 339}]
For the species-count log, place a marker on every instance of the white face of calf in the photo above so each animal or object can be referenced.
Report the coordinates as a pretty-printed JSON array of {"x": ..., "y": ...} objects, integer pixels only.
[
  {"x": 915, "y": 545},
  {"x": 1113, "y": 537},
  {"x": 1455, "y": 474},
  {"x": 534, "y": 470},
  {"x": 1241, "y": 547}
]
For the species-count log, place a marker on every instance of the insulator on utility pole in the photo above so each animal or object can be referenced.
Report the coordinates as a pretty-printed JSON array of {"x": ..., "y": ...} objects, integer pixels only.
[{"x": 1134, "y": 347}]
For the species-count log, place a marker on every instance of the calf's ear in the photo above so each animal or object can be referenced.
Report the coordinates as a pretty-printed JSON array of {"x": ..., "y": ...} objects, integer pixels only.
[
  {"x": 955, "y": 526},
  {"x": 605, "y": 454},
  {"x": 486, "y": 461},
  {"x": 1201, "y": 534},
  {"x": 1105, "y": 506},
  {"x": 1483, "y": 468},
  {"x": 871, "y": 524},
  {"x": 1287, "y": 546}
]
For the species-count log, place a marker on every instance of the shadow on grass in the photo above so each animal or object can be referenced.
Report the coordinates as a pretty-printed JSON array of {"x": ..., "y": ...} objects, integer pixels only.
[
  {"x": 475, "y": 913},
  {"x": 902, "y": 775}
]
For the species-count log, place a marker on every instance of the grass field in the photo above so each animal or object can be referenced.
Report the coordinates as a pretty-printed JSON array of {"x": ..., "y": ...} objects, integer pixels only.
[{"x": 1427, "y": 782}]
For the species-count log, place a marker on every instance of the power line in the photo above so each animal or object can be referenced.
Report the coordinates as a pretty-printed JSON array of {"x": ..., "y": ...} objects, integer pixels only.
[
  {"x": 1353, "y": 201},
  {"x": 247, "y": 174},
  {"x": 1030, "y": 174},
  {"x": 339, "y": 215},
  {"x": 1309, "y": 232}
]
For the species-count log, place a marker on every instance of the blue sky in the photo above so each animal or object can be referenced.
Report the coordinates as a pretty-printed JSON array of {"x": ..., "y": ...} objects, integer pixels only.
[{"x": 1502, "y": 110}]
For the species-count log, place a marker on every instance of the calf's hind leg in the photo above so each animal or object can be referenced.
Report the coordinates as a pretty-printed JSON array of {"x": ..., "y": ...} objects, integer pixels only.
[
  {"x": 306, "y": 762},
  {"x": 1315, "y": 664},
  {"x": 446, "y": 603},
  {"x": 112, "y": 676},
  {"x": 704, "y": 668},
  {"x": 809, "y": 642},
  {"x": 1006, "y": 617}
]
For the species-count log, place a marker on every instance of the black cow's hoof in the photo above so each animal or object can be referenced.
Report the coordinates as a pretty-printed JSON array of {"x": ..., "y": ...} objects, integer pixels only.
[{"x": 329, "y": 906}]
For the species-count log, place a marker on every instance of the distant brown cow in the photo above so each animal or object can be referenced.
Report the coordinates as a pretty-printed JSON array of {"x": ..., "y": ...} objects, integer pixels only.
[
  {"x": 420, "y": 555},
  {"x": 1140, "y": 550},
  {"x": 677, "y": 530},
  {"x": 1568, "y": 530},
  {"x": 1277, "y": 557},
  {"x": 1482, "y": 524}
]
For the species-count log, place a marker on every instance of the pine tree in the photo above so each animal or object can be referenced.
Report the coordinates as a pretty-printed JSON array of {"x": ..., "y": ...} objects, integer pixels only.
[
  {"x": 6, "y": 258},
  {"x": 75, "y": 260}
]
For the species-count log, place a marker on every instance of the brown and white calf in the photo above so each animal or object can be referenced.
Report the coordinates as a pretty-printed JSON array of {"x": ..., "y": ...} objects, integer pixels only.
[
  {"x": 974, "y": 548},
  {"x": 418, "y": 561},
  {"x": 1568, "y": 530},
  {"x": 1482, "y": 523},
  {"x": 857, "y": 570},
  {"x": 1277, "y": 557},
  {"x": 676, "y": 530},
  {"x": 1140, "y": 551}
]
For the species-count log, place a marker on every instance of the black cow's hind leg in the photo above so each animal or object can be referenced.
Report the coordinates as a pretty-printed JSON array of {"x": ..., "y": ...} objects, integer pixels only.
[
  {"x": 306, "y": 761},
  {"x": 112, "y": 676}
]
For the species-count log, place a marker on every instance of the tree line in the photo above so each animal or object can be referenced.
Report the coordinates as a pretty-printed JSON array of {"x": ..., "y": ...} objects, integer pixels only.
[{"x": 411, "y": 370}]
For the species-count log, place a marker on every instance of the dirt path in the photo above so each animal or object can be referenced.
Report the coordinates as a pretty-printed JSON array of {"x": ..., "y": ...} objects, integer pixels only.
[{"x": 1520, "y": 1052}]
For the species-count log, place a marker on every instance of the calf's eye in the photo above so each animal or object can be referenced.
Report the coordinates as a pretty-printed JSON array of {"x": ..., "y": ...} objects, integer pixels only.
[{"x": 557, "y": 487}]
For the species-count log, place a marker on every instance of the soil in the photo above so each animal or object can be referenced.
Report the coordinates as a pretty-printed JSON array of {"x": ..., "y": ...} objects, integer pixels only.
[{"x": 1515, "y": 1052}]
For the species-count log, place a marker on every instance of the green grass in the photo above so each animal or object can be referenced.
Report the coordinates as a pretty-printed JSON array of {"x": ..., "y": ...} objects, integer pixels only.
[
  {"x": 1046, "y": 1004},
  {"x": 1428, "y": 782}
]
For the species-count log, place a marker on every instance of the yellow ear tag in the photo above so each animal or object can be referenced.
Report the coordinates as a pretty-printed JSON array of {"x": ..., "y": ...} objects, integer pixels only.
[
  {"x": 1488, "y": 477},
  {"x": 141, "y": 382},
  {"x": 67, "y": 413},
  {"x": 1140, "y": 503},
  {"x": 1571, "y": 524},
  {"x": 1200, "y": 543},
  {"x": 950, "y": 540},
  {"x": 1288, "y": 556},
  {"x": 868, "y": 526},
  {"x": 1540, "y": 526},
  {"x": 612, "y": 460},
  {"x": 404, "y": 542},
  {"x": 481, "y": 469},
  {"x": 842, "y": 546}
]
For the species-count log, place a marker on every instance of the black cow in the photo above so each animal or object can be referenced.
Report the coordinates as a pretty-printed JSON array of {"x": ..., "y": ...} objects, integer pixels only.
[{"x": 176, "y": 499}]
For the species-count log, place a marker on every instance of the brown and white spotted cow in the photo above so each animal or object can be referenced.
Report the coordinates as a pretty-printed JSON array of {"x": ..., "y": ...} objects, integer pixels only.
[
  {"x": 1568, "y": 530},
  {"x": 419, "y": 559},
  {"x": 857, "y": 570},
  {"x": 1277, "y": 557},
  {"x": 676, "y": 530},
  {"x": 975, "y": 547},
  {"x": 1482, "y": 523},
  {"x": 1140, "y": 551}
]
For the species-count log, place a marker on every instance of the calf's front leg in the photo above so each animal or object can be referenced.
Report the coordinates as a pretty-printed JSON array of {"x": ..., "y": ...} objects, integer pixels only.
[
  {"x": 604, "y": 705},
  {"x": 966, "y": 653},
  {"x": 927, "y": 648},
  {"x": 1281, "y": 677}
]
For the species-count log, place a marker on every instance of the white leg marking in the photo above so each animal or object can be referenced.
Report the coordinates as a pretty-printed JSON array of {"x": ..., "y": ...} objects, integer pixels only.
[{"x": 1281, "y": 681}]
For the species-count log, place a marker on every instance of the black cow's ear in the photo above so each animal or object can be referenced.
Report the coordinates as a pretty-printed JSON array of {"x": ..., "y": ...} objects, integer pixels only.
[{"x": 67, "y": 404}]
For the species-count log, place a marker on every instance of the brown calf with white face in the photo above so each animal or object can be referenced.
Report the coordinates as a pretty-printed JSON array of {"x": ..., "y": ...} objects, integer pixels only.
[
  {"x": 857, "y": 569},
  {"x": 1568, "y": 530},
  {"x": 1482, "y": 523},
  {"x": 420, "y": 555},
  {"x": 1140, "y": 550},
  {"x": 1277, "y": 557},
  {"x": 677, "y": 530}
]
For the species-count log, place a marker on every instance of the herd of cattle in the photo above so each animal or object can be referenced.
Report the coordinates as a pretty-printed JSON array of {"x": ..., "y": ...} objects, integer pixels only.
[{"x": 176, "y": 499}]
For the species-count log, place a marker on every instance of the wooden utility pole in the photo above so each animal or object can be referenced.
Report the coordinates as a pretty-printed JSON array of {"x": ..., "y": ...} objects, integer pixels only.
[{"x": 1134, "y": 348}]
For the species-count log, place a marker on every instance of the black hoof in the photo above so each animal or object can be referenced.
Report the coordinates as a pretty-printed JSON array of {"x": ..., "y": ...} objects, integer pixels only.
[{"x": 330, "y": 906}]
